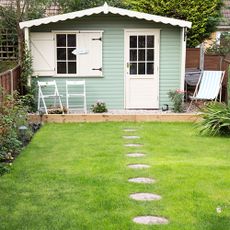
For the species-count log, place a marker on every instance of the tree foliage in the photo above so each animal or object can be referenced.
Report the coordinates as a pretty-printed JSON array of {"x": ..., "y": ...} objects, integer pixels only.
[
  {"x": 204, "y": 14},
  {"x": 74, "y": 5},
  {"x": 21, "y": 10}
]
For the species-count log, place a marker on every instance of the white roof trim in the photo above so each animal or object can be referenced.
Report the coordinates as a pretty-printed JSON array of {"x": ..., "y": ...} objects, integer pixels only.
[{"x": 106, "y": 9}]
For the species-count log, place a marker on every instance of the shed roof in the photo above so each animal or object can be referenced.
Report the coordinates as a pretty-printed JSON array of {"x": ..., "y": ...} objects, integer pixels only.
[{"x": 105, "y": 9}]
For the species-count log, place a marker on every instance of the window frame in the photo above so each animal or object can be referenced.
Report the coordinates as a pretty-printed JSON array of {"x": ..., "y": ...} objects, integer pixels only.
[
  {"x": 76, "y": 32},
  {"x": 67, "y": 61}
]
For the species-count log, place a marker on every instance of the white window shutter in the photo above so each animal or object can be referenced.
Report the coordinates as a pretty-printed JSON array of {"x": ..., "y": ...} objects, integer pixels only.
[
  {"x": 42, "y": 50},
  {"x": 89, "y": 62}
]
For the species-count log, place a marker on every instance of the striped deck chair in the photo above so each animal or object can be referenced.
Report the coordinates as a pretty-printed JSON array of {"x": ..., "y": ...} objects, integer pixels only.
[{"x": 208, "y": 87}]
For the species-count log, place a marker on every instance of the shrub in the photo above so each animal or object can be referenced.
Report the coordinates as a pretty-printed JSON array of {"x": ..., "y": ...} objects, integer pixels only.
[
  {"x": 216, "y": 120},
  {"x": 177, "y": 97},
  {"x": 99, "y": 107},
  {"x": 13, "y": 114}
]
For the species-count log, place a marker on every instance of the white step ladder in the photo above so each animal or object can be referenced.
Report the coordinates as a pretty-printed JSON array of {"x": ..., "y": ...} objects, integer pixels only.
[
  {"x": 75, "y": 89},
  {"x": 43, "y": 94}
]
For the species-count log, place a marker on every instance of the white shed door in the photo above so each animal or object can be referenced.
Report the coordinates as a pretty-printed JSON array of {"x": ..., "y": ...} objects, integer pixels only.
[
  {"x": 142, "y": 69},
  {"x": 42, "y": 50}
]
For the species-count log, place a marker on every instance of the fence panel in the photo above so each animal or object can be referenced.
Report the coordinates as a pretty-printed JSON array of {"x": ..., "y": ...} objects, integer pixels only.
[
  {"x": 211, "y": 62},
  {"x": 10, "y": 80}
]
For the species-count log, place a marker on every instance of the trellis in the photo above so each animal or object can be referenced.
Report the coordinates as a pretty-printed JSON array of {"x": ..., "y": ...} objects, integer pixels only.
[{"x": 8, "y": 45}]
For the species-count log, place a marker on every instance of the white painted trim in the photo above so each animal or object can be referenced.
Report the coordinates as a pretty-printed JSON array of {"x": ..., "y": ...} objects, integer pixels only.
[
  {"x": 157, "y": 60},
  {"x": 183, "y": 57},
  {"x": 142, "y": 30},
  {"x": 77, "y": 31},
  {"x": 105, "y": 9},
  {"x": 27, "y": 43}
]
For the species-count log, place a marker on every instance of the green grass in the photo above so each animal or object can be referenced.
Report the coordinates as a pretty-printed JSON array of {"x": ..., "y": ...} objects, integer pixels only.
[{"x": 74, "y": 176}]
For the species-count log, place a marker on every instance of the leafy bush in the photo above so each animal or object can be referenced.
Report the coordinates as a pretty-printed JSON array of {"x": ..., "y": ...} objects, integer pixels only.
[
  {"x": 216, "y": 120},
  {"x": 177, "y": 97},
  {"x": 13, "y": 114},
  {"x": 99, "y": 107}
]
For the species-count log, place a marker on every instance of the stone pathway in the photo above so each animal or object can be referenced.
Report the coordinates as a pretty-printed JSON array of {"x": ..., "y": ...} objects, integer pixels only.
[
  {"x": 144, "y": 196},
  {"x": 135, "y": 155},
  {"x": 131, "y": 137},
  {"x": 150, "y": 220},
  {"x": 147, "y": 220},
  {"x": 129, "y": 130},
  {"x": 133, "y": 145},
  {"x": 142, "y": 180},
  {"x": 138, "y": 166}
]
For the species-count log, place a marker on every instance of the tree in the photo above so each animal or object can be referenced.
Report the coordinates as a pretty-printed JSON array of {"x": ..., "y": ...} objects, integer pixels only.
[
  {"x": 21, "y": 10},
  {"x": 74, "y": 5},
  {"x": 204, "y": 14}
]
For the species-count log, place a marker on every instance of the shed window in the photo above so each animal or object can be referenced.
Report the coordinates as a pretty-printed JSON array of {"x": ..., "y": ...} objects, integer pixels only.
[
  {"x": 79, "y": 53},
  {"x": 66, "y": 60},
  {"x": 141, "y": 55}
]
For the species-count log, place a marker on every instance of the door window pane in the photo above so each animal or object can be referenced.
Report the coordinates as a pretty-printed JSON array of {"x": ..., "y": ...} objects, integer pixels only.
[
  {"x": 141, "y": 41},
  {"x": 71, "y": 56},
  {"x": 141, "y": 55},
  {"x": 141, "y": 68},
  {"x": 133, "y": 68},
  {"x": 71, "y": 40},
  {"x": 72, "y": 67},
  {"x": 150, "y": 41},
  {"x": 61, "y": 40},
  {"x": 133, "y": 42},
  {"x": 150, "y": 55},
  {"x": 133, "y": 55},
  {"x": 61, "y": 53},
  {"x": 61, "y": 67},
  {"x": 150, "y": 68},
  {"x": 66, "y": 60}
]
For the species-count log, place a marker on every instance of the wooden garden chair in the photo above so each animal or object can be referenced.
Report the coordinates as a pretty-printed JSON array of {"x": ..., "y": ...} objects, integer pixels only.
[
  {"x": 209, "y": 87},
  {"x": 76, "y": 91},
  {"x": 48, "y": 91}
]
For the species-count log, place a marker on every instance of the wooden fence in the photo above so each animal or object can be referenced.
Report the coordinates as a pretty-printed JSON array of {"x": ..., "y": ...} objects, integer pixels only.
[
  {"x": 10, "y": 80},
  {"x": 211, "y": 62}
]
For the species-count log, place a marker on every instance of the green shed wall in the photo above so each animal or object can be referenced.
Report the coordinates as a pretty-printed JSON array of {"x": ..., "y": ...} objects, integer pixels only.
[{"x": 110, "y": 87}]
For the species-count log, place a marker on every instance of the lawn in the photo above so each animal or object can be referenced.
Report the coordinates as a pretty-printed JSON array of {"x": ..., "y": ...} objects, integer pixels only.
[{"x": 74, "y": 176}]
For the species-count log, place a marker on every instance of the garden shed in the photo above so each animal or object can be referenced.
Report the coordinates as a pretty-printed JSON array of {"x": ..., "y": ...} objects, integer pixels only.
[{"x": 128, "y": 59}]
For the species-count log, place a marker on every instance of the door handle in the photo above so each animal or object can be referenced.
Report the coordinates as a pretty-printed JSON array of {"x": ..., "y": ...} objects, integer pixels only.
[{"x": 128, "y": 65}]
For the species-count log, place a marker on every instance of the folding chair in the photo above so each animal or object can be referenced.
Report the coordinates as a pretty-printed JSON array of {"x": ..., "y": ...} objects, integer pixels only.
[
  {"x": 208, "y": 87},
  {"x": 75, "y": 89},
  {"x": 48, "y": 90}
]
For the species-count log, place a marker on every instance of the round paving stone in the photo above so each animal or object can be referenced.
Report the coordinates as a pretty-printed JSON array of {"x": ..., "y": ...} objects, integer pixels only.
[
  {"x": 129, "y": 130},
  {"x": 138, "y": 166},
  {"x": 135, "y": 155},
  {"x": 131, "y": 137},
  {"x": 150, "y": 220},
  {"x": 145, "y": 196},
  {"x": 142, "y": 180},
  {"x": 133, "y": 145}
]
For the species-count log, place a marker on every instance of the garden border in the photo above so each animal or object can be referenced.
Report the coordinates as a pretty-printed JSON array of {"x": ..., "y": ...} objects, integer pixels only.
[{"x": 66, "y": 118}]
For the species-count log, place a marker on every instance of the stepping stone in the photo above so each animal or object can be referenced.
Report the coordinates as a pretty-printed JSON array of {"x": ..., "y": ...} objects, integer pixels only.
[
  {"x": 131, "y": 137},
  {"x": 129, "y": 130},
  {"x": 138, "y": 166},
  {"x": 145, "y": 196},
  {"x": 142, "y": 180},
  {"x": 133, "y": 145},
  {"x": 150, "y": 220},
  {"x": 135, "y": 155}
]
